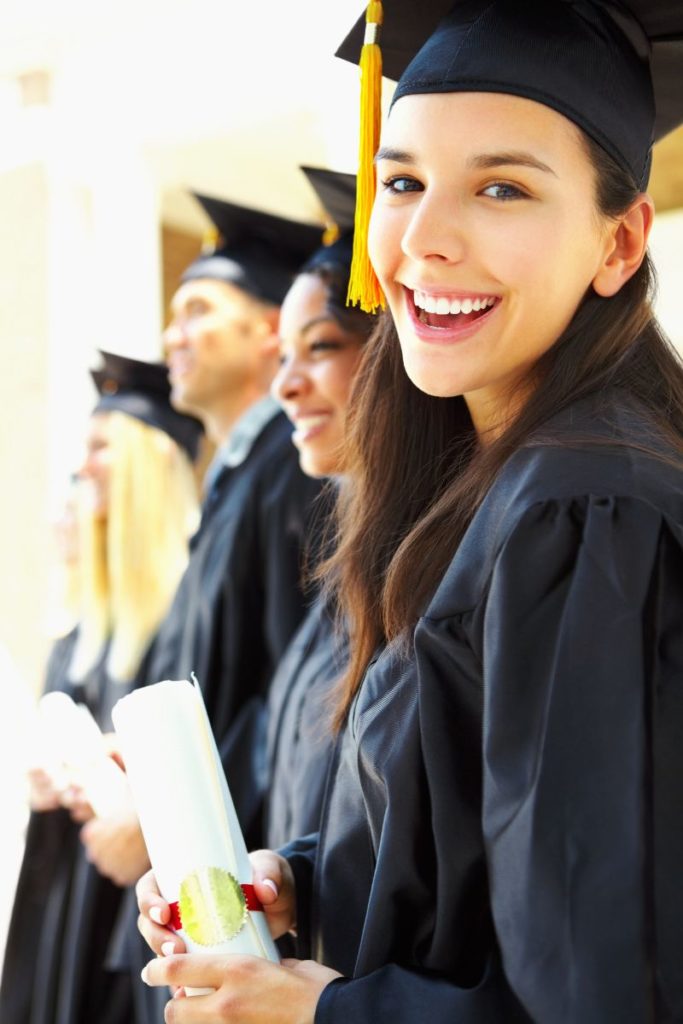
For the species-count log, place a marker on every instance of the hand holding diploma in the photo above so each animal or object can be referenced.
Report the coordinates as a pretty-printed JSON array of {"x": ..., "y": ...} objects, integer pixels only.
[
  {"x": 189, "y": 823},
  {"x": 246, "y": 990}
]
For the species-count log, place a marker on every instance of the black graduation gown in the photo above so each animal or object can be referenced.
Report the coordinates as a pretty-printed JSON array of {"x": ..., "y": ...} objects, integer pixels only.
[
  {"x": 503, "y": 836},
  {"x": 236, "y": 609},
  {"x": 299, "y": 736},
  {"x": 239, "y": 604},
  {"x": 64, "y": 912}
]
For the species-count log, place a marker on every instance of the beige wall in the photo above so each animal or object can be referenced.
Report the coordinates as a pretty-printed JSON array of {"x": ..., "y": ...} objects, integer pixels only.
[{"x": 24, "y": 539}]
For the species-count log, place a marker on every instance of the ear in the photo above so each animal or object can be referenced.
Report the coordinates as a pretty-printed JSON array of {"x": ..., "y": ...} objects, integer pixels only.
[
  {"x": 266, "y": 330},
  {"x": 626, "y": 246}
]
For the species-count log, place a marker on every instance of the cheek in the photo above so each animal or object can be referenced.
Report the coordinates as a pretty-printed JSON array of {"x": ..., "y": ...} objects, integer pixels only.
[
  {"x": 340, "y": 379},
  {"x": 104, "y": 468},
  {"x": 204, "y": 336},
  {"x": 384, "y": 239}
]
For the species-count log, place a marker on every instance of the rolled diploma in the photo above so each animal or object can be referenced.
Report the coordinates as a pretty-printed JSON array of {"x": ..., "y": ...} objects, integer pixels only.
[
  {"x": 181, "y": 795},
  {"x": 75, "y": 752}
]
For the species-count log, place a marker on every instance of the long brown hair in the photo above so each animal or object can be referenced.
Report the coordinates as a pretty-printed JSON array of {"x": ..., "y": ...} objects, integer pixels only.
[{"x": 416, "y": 474}]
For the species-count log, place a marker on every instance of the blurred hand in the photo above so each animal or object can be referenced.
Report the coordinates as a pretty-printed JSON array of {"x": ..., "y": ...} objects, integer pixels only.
[
  {"x": 111, "y": 745},
  {"x": 73, "y": 798},
  {"x": 42, "y": 794},
  {"x": 116, "y": 847}
]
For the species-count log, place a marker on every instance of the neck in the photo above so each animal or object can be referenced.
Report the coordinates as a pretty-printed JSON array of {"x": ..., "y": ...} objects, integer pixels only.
[
  {"x": 493, "y": 410},
  {"x": 220, "y": 421}
]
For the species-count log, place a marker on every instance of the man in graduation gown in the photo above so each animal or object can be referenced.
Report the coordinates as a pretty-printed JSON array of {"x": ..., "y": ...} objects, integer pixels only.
[{"x": 241, "y": 598}]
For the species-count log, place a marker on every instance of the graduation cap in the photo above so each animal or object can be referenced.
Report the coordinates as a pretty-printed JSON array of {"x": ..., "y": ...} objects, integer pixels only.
[
  {"x": 337, "y": 195},
  {"x": 614, "y": 69},
  {"x": 256, "y": 251},
  {"x": 143, "y": 390}
]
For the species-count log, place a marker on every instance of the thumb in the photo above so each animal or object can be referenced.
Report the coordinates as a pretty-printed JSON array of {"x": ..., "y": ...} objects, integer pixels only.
[{"x": 274, "y": 885}]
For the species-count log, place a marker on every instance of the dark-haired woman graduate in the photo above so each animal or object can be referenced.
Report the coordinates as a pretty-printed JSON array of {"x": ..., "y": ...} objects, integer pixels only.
[
  {"x": 135, "y": 505},
  {"x": 501, "y": 840},
  {"x": 321, "y": 342}
]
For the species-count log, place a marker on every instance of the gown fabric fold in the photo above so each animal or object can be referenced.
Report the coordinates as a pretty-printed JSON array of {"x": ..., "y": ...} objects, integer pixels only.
[
  {"x": 503, "y": 833},
  {"x": 299, "y": 738}
]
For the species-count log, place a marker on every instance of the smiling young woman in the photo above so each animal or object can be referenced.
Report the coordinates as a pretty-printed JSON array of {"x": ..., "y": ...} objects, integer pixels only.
[{"x": 500, "y": 838}]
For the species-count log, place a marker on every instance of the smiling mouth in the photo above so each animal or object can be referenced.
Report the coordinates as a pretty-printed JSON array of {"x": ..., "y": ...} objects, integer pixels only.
[{"x": 450, "y": 312}]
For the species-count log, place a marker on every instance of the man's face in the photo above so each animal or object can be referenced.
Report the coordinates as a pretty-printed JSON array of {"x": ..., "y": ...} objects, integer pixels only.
[{"x": 211, "y": 344}]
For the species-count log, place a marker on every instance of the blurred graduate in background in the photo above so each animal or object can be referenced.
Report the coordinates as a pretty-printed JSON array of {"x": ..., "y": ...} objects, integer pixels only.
[
  {"x": 241, "y": 598},
  {"x": 124, "y": 544},
  {"x": 321, "y": 345}
]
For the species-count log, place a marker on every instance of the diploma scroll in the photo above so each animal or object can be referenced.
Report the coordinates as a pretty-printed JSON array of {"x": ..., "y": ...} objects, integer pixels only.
[
  {"x": 188, "y": 819},
  {"x": 73, "y": 751}
]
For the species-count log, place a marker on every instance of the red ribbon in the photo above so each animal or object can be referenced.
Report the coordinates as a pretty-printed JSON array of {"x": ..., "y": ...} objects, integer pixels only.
[{"x": 252, "y": 901}]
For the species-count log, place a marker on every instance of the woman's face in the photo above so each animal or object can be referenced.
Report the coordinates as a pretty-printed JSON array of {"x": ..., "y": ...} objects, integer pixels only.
[
  {"x": 96, "y": 467},
  {"x": 319, "y": 362},
  {"x": 485, "y": 235}
]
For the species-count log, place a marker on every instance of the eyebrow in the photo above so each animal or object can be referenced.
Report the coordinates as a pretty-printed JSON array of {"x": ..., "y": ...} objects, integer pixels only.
[
  {"x": 399, "y": 156},
  {"x": 324, "y": 318},
  {"x": 483, "y": 161}
]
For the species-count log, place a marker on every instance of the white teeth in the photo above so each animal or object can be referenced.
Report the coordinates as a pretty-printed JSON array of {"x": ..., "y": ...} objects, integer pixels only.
[
  {"x": 442, "y": 306},
  {"x": 308, "y": 422}
]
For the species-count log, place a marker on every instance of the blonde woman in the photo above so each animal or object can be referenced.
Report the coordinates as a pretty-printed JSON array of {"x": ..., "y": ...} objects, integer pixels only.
[{"x": 134, "y": 508}]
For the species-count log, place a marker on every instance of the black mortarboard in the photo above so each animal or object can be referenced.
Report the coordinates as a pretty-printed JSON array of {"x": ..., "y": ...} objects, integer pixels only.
[
  {"x": 143, "y": 390},
  {"x": 615, "y": 69},
  {"x": 337, "y": 195},
  {"x": 256, "y": 251}
]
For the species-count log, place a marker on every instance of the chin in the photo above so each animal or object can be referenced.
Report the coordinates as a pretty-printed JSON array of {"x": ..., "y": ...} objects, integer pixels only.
[
  {"x": 181, "y": 400},
  {"x": 433, "y": 384},
  {"x": 314, "y": 466}
]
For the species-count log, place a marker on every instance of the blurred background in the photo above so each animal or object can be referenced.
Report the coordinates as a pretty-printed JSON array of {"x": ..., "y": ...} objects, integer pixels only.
[{"x": 110, "y": 114}]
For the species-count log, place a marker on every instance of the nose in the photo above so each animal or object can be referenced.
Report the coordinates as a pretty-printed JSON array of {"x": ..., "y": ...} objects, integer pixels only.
[
  {"x": 435, "y": 231},
  {"x": 85, "y": 470},
  {"x": 289, "y": 382},
  {"x": 174, "y": 336}
]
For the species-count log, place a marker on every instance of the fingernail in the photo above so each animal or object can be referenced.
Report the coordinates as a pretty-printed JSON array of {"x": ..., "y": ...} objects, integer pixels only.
[
  {"x": 143, "y": 974},
  {"x": 168, "y": 948},
  {"x": 155, "y": 914},
  {"x": 271, "y": 885}
]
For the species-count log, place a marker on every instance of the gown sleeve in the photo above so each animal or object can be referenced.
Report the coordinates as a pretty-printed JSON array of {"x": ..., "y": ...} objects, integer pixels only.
[
  {"x": 582, "y": 808},
  {"x": 301, "y": 854},
  {"x": 583, "y": 774}
]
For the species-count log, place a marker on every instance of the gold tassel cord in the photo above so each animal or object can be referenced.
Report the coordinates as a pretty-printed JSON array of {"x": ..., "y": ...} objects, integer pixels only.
[{"x": 364, "y": 288}]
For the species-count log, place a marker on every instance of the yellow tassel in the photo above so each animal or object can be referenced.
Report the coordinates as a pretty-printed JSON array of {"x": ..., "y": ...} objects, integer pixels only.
[
  {"x": 211, "y": 241},
  {"x": 331, "y": 234},
  {"x": 364, "y": 288}
]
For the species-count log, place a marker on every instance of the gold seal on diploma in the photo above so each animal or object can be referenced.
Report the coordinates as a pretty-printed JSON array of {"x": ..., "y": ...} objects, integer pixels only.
[{"x": 212, "y": 906}]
